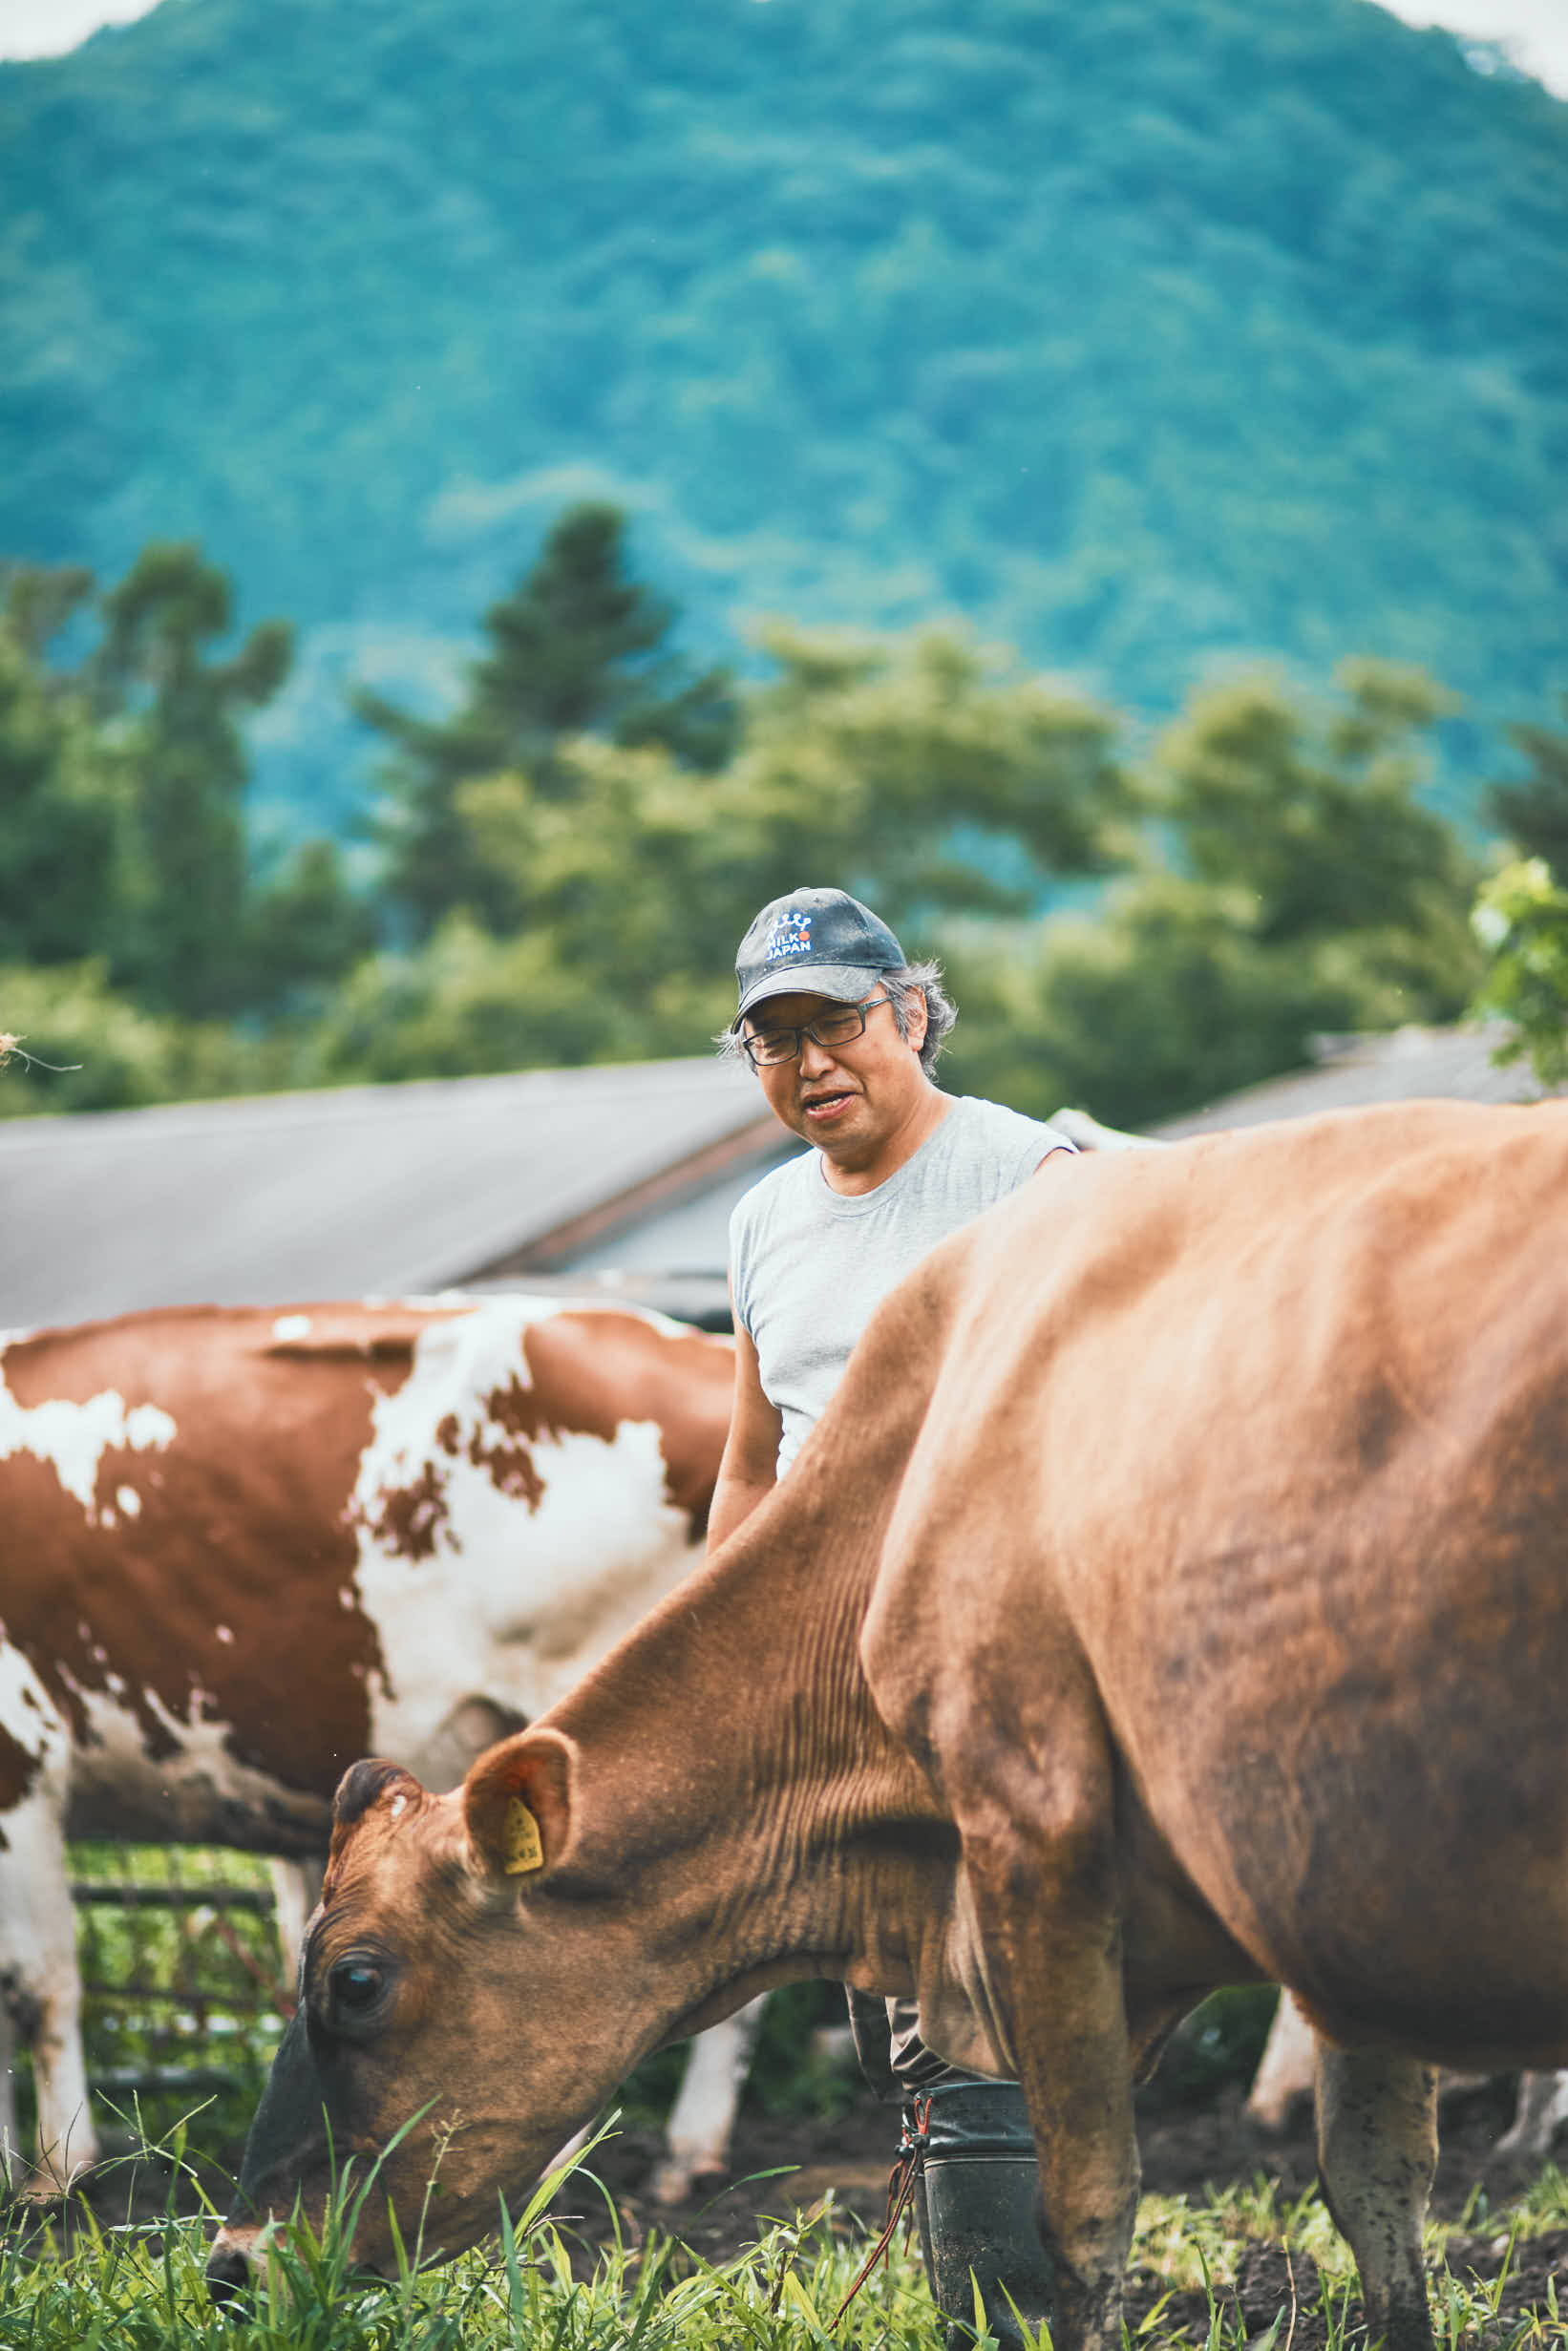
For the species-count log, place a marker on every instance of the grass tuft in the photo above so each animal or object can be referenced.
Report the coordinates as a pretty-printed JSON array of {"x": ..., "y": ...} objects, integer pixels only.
[{"x": 69, "y": 2282}]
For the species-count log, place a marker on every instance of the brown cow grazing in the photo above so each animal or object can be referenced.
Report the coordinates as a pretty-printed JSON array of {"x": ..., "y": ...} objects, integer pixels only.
[
  {"x": 1175, "y": 1593},
  {"x": 241, "y": 1545}
]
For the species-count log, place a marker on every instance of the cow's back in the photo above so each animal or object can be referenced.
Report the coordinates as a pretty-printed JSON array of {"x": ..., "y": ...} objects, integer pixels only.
[
  {"x": 228, "y": 1531},
  {"x": 175, "y": 1489},
  {"x": 1275, "y": 1435}
]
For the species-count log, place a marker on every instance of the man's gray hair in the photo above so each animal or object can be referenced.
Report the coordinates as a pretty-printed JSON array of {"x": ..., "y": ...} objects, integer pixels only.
[
  {"x": 903, "y": 984},
  {"x": 912, "y": 980}
]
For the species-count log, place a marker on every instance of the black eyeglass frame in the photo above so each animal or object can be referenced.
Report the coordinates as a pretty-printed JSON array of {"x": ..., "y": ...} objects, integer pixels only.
[{"x": 803, "y": 1029}]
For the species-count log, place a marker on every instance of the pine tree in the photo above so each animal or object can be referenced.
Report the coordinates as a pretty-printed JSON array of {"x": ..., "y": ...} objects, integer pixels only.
[
  {"x": 578, "y": 647},
  {"x": 172, "y": 716}
]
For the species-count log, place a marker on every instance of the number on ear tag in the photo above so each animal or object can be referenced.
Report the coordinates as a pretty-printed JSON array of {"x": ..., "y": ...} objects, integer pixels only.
[{"x": 524, "y": 1847}]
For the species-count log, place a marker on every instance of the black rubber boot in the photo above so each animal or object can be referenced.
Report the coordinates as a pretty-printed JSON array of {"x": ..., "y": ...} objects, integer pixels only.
[{"x": 976, "y": 2211}]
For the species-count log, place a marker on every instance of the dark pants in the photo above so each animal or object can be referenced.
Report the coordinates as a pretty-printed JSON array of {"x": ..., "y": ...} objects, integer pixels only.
[{"x": 894, "y": 2059}]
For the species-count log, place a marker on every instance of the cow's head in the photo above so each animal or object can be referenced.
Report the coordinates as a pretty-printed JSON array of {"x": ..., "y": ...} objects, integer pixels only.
[{"x": 443, "y": 1994}]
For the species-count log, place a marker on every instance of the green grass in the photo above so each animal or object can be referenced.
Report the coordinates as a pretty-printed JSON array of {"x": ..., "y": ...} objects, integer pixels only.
[{"x": 141, "y": 2287}]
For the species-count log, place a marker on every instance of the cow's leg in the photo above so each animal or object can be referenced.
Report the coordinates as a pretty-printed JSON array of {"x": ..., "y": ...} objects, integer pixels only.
[
  {"x": 703, "y": 2117},
  {"x": 1377, "y": 2151},
  {"x": 296, "y": 1889},
  {"x": 41, "y": 1982},
  {"x": 1052, "y": 1947},
  {"x": 1542, "y": 2105},
  {"x": 1077, "y": 2078},
  {"x": 1287, "y": 2069},
  {"x": 11, "y": 2159}
]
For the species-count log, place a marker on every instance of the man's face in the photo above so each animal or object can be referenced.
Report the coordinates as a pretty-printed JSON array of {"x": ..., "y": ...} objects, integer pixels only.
[{"x": 847, "y": 1099}]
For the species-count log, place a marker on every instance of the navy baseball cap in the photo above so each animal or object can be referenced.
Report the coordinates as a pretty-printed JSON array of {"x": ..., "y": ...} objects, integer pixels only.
[{"x": 813, "y": 943}]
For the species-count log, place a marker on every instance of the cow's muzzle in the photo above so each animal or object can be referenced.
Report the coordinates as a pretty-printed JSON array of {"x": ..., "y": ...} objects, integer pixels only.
[{"x": 229, "y": 2271}]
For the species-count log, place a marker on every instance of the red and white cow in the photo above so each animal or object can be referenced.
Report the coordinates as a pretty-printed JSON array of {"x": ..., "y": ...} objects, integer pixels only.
[{"x": 242, "y": 1546}]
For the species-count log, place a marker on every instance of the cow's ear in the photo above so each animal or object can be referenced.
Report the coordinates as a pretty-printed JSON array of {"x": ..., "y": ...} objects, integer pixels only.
[
  {"x": 517, "y": 1804},
  {"x": 365, "y": 1784}
]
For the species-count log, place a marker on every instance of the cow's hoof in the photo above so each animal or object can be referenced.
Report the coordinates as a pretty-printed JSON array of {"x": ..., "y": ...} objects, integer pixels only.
[{"x": 672, "y": 2182}]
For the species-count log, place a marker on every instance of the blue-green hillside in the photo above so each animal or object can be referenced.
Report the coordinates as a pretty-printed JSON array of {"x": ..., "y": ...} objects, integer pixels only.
[{"x": 1142, "y": 335}]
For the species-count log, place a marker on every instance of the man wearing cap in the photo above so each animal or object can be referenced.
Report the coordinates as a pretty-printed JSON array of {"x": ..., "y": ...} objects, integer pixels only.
[{"x": 843, "y": 1034}]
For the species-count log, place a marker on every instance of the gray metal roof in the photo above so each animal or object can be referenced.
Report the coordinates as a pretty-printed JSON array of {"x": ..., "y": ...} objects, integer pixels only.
[
  {"x": 482, "y": 1181},
  {"x": 1405, "y": 1064},
  {"x": 357, "y": 1191}
]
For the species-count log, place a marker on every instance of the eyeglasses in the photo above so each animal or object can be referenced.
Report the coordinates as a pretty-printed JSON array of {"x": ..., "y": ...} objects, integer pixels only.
[{"x": 840, "y": 1026}]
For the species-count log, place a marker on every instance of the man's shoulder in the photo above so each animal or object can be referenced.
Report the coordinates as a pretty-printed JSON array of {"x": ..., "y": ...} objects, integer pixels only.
[{"x": 980, "y": 1125}]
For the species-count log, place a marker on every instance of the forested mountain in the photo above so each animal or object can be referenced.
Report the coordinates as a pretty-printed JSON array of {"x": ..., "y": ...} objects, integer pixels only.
[{"x": 1140, "y": 333}]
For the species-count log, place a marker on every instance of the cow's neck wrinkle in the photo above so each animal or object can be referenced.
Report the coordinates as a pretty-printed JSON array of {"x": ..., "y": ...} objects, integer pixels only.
[{"x": 738, "y": 1805}]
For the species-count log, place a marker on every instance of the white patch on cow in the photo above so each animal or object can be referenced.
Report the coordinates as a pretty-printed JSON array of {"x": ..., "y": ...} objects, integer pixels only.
[
  {"x": 27, "y": 1711},
  {"x": 73, "y": 1438},
  {"x": 129, "y": 1500},
  {"x": 1286, "y": 2069},
  {"x": 38, "y": 1956},
  {"x": 698, "y": 2127},
  {"x": 400, "y": 1805},
  {"x": 186, "y": 1792},
  {"x": 38, "y": 1925},
  {"x": 513, "y": 1603},
  {"x": 290, "y": 1327},
  {"x": 223, "y": 1632}
]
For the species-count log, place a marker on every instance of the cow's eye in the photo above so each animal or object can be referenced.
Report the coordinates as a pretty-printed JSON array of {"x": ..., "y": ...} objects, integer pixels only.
[{"x": 356, "y": 1987}]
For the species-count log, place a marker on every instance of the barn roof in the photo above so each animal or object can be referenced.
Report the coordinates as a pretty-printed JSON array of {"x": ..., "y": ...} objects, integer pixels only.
[
  {"x": 619, "y": 1176},
  {"x": 1404, "y": 1064},
  {"x": 362, "y": 1190}
]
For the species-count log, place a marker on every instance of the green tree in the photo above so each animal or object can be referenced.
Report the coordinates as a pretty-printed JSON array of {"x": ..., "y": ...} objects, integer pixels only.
[
  {"x": 171, "y": 712},
  {"x": 87, "y": 1046},
  {"x": 58, "y": 869},
  {"x": 579, "y": 647},
  {"x": 305, "y": 929},
  {"x": 1521, "y": 920},
  {"x": 935, "y": 780},
  {"x": 1298, "y": 886},
  {"x": 1314, "y": 813},
  {"x": 466, "y": 1002},
  {"x": 1533, "y": 810},
  {"x": 122, "y": 778},
  {"x": 1521, "y": 915}
]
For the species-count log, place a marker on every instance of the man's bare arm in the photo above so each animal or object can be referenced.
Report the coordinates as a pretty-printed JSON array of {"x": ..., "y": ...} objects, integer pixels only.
[{"x": 750, "y": 1467}]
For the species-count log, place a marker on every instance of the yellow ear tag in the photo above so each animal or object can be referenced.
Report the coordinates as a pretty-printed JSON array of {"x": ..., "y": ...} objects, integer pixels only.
[{"x": 525, "y": 1848}]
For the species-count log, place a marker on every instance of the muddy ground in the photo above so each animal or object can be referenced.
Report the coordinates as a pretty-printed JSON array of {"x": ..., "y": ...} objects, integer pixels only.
[{"x": 1186, "y": 2152}]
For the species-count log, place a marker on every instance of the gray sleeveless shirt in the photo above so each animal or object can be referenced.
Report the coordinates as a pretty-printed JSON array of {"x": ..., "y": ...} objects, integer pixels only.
[{"x": 809, "y": 1265}]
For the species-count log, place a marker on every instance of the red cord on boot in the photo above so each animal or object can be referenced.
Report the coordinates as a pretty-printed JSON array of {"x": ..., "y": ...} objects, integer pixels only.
[{"x": 901, "y": 2181}]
